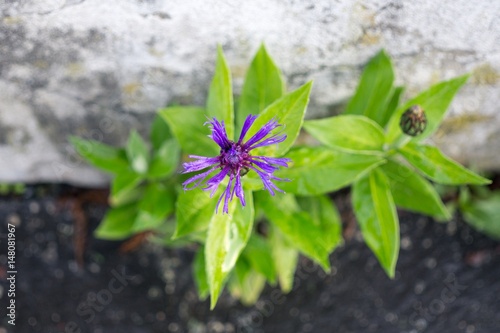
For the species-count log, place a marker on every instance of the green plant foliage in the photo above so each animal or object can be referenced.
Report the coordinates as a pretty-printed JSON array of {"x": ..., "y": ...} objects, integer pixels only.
[
  {"x": 376, "y": 213},
  {"x": 226, "y": 239},
  {"x": 260, "y": 242},
  {"x": 412, "y": 192},
  {"x": 318, "y": 170},
  {"x": 374, "y": 92},
  {"x": 220, "y": 95},
  {"x": 263, "y": 85},
  {"x": 364, "y": 135},
  {"x": 481, "y": 212}
]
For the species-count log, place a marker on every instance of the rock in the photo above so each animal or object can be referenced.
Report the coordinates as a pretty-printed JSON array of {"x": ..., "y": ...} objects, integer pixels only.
[{"x": 99, "y": 68}]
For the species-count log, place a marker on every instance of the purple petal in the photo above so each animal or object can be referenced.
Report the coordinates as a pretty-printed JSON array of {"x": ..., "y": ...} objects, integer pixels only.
[
  {"x": 266, "y": 180},
  {"x": 275, "y": 139},
  {"x": 226, "y": 195},
  {"x": 219, "y": 134},
  {"x": 202, "y": 163},
  {"x": 246, "y": 126},
  {"x": 262, "y": 133},
  {"x": 281, "y": 161},
  {"x": 214, "y": 182},
  {"x": 198, "y": 179},
  {"x": 239, "y": 190},
  {"x": 266, "y": 167}
]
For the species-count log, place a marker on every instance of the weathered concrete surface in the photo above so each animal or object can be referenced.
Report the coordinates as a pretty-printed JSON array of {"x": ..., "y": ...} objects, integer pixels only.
[{"x": 98, "y": 68}]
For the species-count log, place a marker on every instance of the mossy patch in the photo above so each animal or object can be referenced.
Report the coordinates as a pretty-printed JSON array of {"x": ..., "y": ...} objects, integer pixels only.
[
  {"x": 459, "y": 123},
  {"x": 485, "y": 74}
]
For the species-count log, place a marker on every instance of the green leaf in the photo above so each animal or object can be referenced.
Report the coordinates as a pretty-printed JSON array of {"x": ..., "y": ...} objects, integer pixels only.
[
  {"x": 227, "y": 237},
  {"x": 194, "y": 210},
  {"x": 348, "y": 132},
  {"x": 156, "y": 204},
  {"x": 160, "y": 132},
  {"x": 318, "y": 170},
  {"x": 374, "y": 90},
  {"x": 137, "y": 153},
  {"x": 220, "y": 95},
  {"x": 258, "y": 254},
  {"x": 439, "y": 168},
  {"x": 434, "y": 101},
  {"x": 324, "y": 214},
  {"x": 187, "y": 126},
  {"x": 200, "y": 274},
  {"x": 118, "y": 222},
  {"x": 246, "y": 284},
  {"x": 263, "y": 85},
  {"x": 165, "y": 160},
  {"x": 412, "y": 192},
  {"x": 298, "y": 227},
  {"x": 393, "y": 104},
  {"x": 376, "y": 214},
  {"x": 288, "y": 111},
  {"x": 483, "y": 213},
  {"x": 100, "y": 155},
  {"x": 285, "y": 258},
  {"x": 123, "y": 185}
]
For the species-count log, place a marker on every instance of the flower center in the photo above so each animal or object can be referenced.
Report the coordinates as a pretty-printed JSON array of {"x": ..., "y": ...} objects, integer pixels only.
[{"x": 234, "y": 157}]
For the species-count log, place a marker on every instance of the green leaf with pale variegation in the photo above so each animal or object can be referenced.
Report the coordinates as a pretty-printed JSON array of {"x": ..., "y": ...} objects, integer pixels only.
[
  {"x": 319, "y": 170},
  {"x": 413, "y": 192},
  {"x": 186, "y": 123},
  {"x": 374, "y": 90},
  {"x": 298, "y": 227},
  {"x": 227, "y": 236},
  {"x": 165, "y": 160},
  {"x": 200, "y": 275},
  {"x": 377, "y": 218},
  {"x": 439, "y": 168},
  {"x": 288, "y": 111},
  {"x": 285, "y": 257},
  {"x": 220, "y": 95},
  {"x": 137, "y": 153},
  {"x": 434, "y": 101},
  {"x": 350, "y": 133},
  {"x": 117, "y": 223},
  {"x": 102, "y": 156},
  {"x": 263, "y": 85}
]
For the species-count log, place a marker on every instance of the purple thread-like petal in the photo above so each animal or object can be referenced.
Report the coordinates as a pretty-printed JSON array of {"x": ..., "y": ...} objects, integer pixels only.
[
  {"x": 266, "y": 180},
  {"x": 272, "y": 140},
  {"x": 219, "y": 134},
  {"x": 266, "y": 167},
  {"x": 262, "y": 133},
  {"x": 281, "y": 161},
  {"x": 239, "y": 190},
  {"x": 226, "y": 195},
  {"x": 201, "y": 163},
  {"x": 214, "y": 182},
  {"x": 246, "y": 126},
  {"x": 198, "y": 178}
]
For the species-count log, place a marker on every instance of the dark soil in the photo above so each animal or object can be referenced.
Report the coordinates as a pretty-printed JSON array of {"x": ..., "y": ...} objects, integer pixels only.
[{"x": 448, "y": 280}]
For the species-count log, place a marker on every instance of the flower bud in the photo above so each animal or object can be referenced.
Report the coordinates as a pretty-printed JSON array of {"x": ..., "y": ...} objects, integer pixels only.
[{"x": 413, "y": 121}]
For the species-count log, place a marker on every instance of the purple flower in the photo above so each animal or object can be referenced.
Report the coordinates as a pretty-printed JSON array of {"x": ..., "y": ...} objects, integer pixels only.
[{"x": 234, "y": 161}]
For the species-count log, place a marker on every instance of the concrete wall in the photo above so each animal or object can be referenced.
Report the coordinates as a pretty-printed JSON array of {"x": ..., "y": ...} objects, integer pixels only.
[{"x": 98, "y": 68}]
